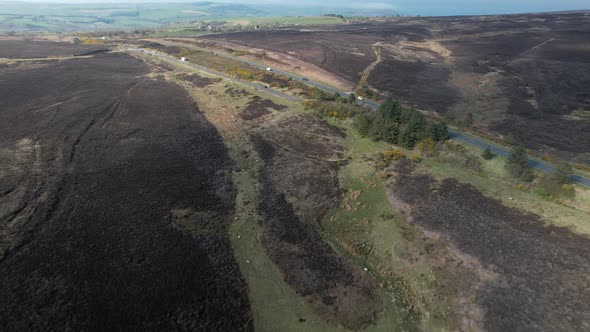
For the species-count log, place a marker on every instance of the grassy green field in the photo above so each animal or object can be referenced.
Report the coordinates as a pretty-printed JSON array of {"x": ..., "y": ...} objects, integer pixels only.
[
  {"x": 275, "y": 305},
  {"x": 365, "y": 228},
  {"x": 70, "y": 17},
  {"x": 285, "y": 21},
  {"x": 367, "y": 219},
  {"x": 495, "y": 182},
  {"x": 176, "y": 32},
  {"x": 244, "y": 22}
]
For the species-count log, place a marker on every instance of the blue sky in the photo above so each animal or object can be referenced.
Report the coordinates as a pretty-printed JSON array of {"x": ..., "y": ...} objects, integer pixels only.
[
  {"x": 406, "y": 7},
  {"x": 455, "y": 7},
  {"x": 448, "y": 7}
]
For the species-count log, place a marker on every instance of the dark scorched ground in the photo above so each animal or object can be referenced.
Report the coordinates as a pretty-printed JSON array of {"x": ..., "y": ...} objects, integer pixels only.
[
  {"x": 539, "y": 66},
  {"x": 114, "y": 203},
  {"x": 543, "y": 271}
]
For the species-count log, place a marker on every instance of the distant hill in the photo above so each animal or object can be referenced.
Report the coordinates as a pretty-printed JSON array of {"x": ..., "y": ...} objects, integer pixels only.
[{"x": 69, "y": 17}]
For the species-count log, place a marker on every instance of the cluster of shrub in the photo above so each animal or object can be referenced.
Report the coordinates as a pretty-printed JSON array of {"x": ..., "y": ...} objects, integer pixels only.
[
  {"x": 396, "y": 125},
  {"x": 332, "y": 109},
  {"x": 454, "y": 154},
  {"x": 246, "y": 72},
  {"x": 335, "y": 15},
  {"x": 549, "y": 186},
  {"x": 387, "y": 157},
  {"x": 333, "y": 105},
  {"x": 367, "y": 92},
  {"x": 87, "y": 41},
  {"x": 517, "y": 164},
  {"x": 320, "y": 95}
]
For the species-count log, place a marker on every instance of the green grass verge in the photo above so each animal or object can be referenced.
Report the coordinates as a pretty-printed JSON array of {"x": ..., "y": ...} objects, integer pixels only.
[
  {"x": 275, "y": 305},
  {"x": 368, "y": 230},
  {"x": 496, "y": 183}
]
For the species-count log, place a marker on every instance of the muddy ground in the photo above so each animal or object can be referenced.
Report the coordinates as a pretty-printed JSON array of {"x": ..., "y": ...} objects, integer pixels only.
[
  {"x": 299, "y": 186},
  {"x": 42, "y": 49},
  {"x": 539, "y": 274},
  {"x": 114, "y": 203},
  {"x": 523, "y": 76}
]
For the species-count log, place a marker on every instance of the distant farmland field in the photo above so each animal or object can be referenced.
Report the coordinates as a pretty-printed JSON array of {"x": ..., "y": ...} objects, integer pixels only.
[{"x": 53, "y": 17}]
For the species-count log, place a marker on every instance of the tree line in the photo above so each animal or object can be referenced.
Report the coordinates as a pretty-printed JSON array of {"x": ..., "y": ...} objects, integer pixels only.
[{"x": 396, "y": 125}]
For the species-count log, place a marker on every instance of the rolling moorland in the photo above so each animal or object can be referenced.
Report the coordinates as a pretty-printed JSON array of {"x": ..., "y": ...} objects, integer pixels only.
[
  {"x": 518, "y": 77},
  {"x": 141, "y": 192}
]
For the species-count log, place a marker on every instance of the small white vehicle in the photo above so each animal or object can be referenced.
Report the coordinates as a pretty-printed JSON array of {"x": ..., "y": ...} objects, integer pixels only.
[
  {"x": 268, "y": 69},
  {"x": 359, "y": 98},
  {"x": 183, "y": 59}
]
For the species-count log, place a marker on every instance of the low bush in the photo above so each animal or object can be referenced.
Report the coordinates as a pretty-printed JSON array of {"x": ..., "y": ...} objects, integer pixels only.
[
  {"x": 488, "y": 154},
  {"x": 551, "y": 185},
  {"x": 331, "y": 108},
  {"x": 471, "y": 163},
  {"x": 387, "y": 157},
  {"x": 517, "y": 165},
  {"x": 427, "y": 147}
]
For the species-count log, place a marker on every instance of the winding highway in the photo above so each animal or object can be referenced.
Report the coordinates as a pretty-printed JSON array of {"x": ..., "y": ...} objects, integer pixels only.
[{"x": 456, "y": 135}]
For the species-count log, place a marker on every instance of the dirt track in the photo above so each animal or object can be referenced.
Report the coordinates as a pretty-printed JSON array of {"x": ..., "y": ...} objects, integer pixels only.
[{"x": 114, "y": 202}]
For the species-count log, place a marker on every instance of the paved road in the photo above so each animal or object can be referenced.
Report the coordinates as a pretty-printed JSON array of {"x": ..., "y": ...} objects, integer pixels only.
[
  {"x": 500, "y": 151},
  {"x": 216, "y": 73},
  {"x": 503, "y": 152},
  {"x": 299, "y": 78},
  {"x": 462, "y": 137}
]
